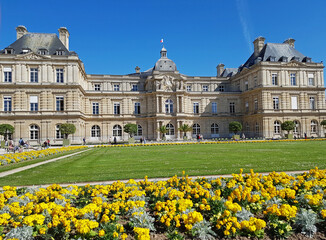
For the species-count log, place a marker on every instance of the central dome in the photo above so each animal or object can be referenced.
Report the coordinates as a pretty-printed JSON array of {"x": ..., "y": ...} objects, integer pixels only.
[{"x": 164, "y": 64}]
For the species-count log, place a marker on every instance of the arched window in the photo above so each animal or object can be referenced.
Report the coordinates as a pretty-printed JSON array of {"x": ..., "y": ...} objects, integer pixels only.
[
  {"x": 58, "y": 134},
  {"x": 169, "y": 106},
  {"x": 139, "y": 130},
  {"x": 257, "y": 127},
  {"x": 34, "y": 132},
  {"x": 296, "y": 127},
  {"x": 96, "y": 131},
  {"x": 214, "y": 128},
  {"x": 247, "y": 128},
  {"x": 170, "y": 129},
  {"x": 277, "y": 127},
  {"x": 117, "y": 131},
  {"x": 196, "y": 129},
  {"x": 313, "y": 126}
]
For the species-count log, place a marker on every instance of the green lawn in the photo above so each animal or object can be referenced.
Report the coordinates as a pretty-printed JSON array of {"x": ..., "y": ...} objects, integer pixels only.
[{"x": 164, "y": 161}]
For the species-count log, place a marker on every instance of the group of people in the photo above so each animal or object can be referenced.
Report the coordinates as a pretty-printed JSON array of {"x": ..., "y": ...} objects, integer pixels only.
[
  {"x": 46, "y": 143},
  {"x": 14, "y": 148}
]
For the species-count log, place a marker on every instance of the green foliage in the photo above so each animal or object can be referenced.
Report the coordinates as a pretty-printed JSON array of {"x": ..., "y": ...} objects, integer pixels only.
[
  {"x": 130, "y": 128},
  {"x": 6, "y": 129},
  {"x": 174, "y": 235},
  {"x": 281, "y": 229},
  {"x": 185, "y": 128},
  {"x": 25, "y": 232},
  {"x": 67, "y": 129},
  {"x": 235, "y": 127},
  {"x": 287, "y": 126},
  {"x": 323, "y": 123},
  {"x": 162, "y": 130}
]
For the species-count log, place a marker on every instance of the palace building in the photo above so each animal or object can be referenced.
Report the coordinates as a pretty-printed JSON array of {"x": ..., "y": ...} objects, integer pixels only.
[{"x": 44, "y": 84}]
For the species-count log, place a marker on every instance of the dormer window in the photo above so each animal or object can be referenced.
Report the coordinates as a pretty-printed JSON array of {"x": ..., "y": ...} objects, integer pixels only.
[
  {"x": 283, "y": 59},
  {"x": 42, "y": 51},
  {"x": 272, "y": 59},
  {"x": 25, "y": 50},
  {"x": 9, "y": 51},
  {"x": 295, "y": 58},
  {"x": 60, "y": 52},
  {"x": 307, "y": 59}
]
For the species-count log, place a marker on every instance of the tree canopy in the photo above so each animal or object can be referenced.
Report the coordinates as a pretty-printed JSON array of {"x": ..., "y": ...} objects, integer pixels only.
[
  {"x": 6, "y": 129},
  {"x": 287, "y": 126},
  {"x": 131, "y": 129},
  {"x": 323, "y": 123},
  {"x": 163, "y": 130},
  {"x": 67, "y": 129},
  {"x": 235, "y": 127},
  {"x": 185, "y": 128}
]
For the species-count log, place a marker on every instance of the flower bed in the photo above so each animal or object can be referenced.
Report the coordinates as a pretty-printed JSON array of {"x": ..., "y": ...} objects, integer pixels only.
[
  {"x": 18, "y": 157},
  {"x": 250, "y": 205},
  {"x": 206, "y": 142}
]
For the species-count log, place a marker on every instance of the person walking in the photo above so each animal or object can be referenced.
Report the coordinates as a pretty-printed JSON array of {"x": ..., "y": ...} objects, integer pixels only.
[
  {"x": 84, "y": 141},
  {"x": 115, "y": 140},
  {"x": 305, "y": 135}
]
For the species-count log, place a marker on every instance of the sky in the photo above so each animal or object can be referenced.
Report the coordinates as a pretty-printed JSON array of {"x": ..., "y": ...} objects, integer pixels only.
[{"x": 113, "y": 37}]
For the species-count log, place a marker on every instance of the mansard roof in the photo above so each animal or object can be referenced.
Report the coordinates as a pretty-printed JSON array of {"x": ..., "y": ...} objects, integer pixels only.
[
  {"x": 39, "y": 41},
  {"x": 276, "y": 51},
  {"x": 228, "y": 72}
]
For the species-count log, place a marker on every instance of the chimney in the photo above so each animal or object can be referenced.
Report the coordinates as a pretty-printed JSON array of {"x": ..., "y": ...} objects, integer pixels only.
[
  {"x": 137, "y": 69},
  {"x": 290, "y": 41},
  {"x": 220, "y": 69},
  {"x": 64, "y": 36},
  {"x": 21, "y": 31},
  {"x": 258, "y": 45}
]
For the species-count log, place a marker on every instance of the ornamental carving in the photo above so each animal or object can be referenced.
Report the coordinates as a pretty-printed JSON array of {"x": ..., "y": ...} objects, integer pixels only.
[{"x": 32, "y": 56}]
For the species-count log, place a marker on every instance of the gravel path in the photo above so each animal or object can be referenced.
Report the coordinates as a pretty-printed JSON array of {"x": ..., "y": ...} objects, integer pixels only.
[{"x": 152, "y": 179}]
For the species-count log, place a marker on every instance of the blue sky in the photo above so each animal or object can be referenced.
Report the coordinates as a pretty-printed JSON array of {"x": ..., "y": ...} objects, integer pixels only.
[{"x": 113, "y": 37}]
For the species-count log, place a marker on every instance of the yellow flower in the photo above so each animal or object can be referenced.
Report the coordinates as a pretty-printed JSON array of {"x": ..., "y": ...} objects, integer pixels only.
[{"x": 101, "y": 233}]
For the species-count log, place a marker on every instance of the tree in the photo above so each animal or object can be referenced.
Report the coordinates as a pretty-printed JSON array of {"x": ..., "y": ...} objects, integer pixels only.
[
  {"x": 163, "y": 130},
  {"x": 287, "y": 126},
  {"x": 67, "y": 129},
  {"x": 235, "y": 127},
  {"x": 323, "y": 123},
  {"x": 185, "y": 128},
  {"x": 6, "y": 130},
  {"x": 131, "y": 129}
]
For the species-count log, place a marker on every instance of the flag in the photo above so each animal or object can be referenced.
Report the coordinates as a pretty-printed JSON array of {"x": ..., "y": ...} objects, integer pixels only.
[{"x": 162, "y": 40}]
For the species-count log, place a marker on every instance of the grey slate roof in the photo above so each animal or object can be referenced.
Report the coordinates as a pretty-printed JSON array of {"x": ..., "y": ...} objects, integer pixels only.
[
  {"x": 228, "y": 72},
  {"x": 37, "y": 41},
  {"x": 277, "y": 50}
]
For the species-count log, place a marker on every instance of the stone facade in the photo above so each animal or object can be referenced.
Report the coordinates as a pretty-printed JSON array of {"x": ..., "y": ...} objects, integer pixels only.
[{"x": 43, "y": 85}]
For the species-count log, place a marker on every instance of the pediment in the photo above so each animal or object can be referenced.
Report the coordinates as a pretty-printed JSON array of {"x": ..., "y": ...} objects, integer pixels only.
[{"x": 32, "y": 56}]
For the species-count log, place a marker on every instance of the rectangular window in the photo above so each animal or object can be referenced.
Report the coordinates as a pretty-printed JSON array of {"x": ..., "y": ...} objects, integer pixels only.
[
  {"x": 60, "y": 104},
  {"x": 294, "y": 102},
  {"x": 96, "y": 108},
  {"x": 116, "y": 87},
  {"x": 196, "y": 108},
  {"x": 7, "y": 104},
  {"x": 232, "y": 107},
  {"x": 188, "y": 88},
  {"x": 275, "y": 103},
  {"x": 59, "y": 75},
  {"x": 33, "y": 103},
  {"x": 205, "y": 88},
  {"x": 256, "y": 104},
  {"x": 7, "y": 75},
  {"x": 312, "y": 103},
  {"x": 34, "y": 75},
  {"x": 247, "y": 107},
  {"x": 214, "y": 107},
  {"x": 116, "y": 108},
  {"x": 293, "y": 79},
  {"x": 274, "y": 79},
  {"x": 97, "y": 87},
  {"x": 246, "y": 86},
  {"x": 137, "y": 108},
  {"x": 311, "y": 79},
  {"x": 134, "y": 87},
  {"x": 255, "y": 81},
  {"x": 221, "y": 88}
]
